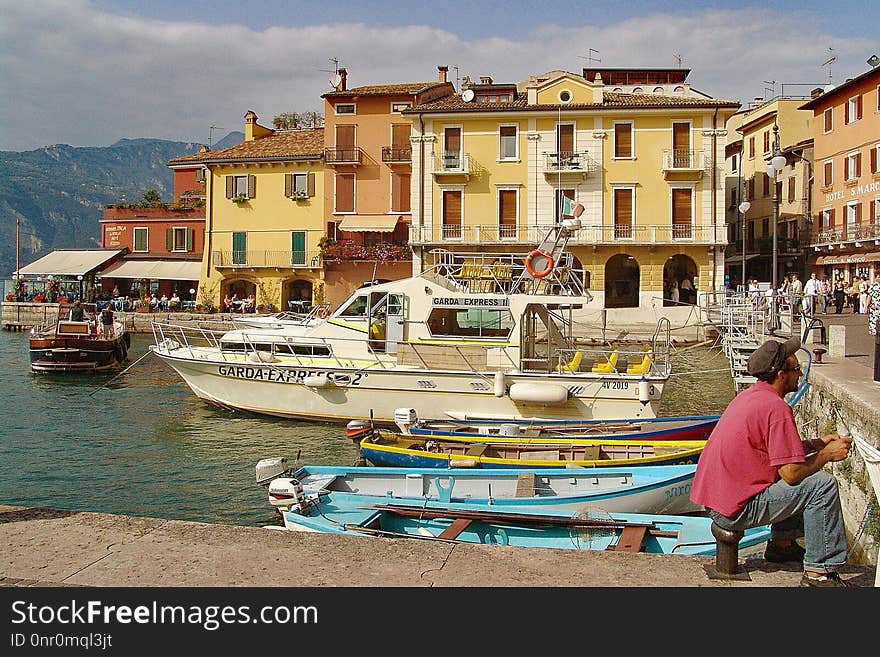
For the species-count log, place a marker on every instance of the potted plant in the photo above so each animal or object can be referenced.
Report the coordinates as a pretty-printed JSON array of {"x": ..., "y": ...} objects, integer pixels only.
[
  {"x": 141, "y": 306},
  {"x": 239, "y": 198},
  {"x": 299, "y": 196}
]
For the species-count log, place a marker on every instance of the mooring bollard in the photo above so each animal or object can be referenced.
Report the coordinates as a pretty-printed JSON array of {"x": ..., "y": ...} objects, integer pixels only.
[{"x": 726, "y": 555}]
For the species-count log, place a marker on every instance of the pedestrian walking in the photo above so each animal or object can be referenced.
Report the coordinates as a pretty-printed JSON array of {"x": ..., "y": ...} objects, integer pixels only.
[{"x": 873, "y": 294}]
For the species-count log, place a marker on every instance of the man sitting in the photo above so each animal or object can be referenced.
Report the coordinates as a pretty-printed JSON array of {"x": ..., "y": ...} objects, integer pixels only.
[{"x": 174, "y": 302}]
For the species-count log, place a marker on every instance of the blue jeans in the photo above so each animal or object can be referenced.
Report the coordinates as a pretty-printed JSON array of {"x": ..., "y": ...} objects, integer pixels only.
[{"x": 810, "y": 509}]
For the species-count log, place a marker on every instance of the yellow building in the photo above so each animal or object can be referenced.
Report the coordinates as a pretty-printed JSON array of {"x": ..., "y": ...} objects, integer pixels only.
[
  {"x": 638, "y": 148},
  {"x": 264, "y": 219}
]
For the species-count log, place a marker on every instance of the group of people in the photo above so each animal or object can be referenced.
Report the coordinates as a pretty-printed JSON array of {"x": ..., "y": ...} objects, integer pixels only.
[
  {"x": 163, "y": 303},
  {"x": 234, "y": 304},
  {"x": 104, "y": 323},
  {"x": 818, "y": 295}
]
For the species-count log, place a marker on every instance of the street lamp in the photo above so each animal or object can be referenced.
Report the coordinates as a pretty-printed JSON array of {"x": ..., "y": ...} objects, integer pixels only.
[
  {"x": 774, "y": 166},
  {"x": 743, "y": 208}
]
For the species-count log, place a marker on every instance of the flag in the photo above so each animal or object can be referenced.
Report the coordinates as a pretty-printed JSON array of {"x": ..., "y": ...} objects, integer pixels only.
[{"x": 567, "y": 207}]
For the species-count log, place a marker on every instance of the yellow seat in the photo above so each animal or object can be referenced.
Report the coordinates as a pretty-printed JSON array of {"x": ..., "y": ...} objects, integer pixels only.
[
  {"x": 574, "y": 363},
  {"x": 642, "y": 368},
  {"x": 608, "y": 365}
]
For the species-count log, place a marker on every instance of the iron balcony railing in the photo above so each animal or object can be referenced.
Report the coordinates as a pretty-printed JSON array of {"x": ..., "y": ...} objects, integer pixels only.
[
  {"x": 569, "y": 161},
  {"x": 678, "y": 159},
  {"x": 452, "y": 163},
  {"x": 587, "y": 234},
  {"x": 266, "y": 258},
  {"x": 347, "y": 155},
  {"x": 397, "y": 153},
  {"x": 849, "y": 233}
]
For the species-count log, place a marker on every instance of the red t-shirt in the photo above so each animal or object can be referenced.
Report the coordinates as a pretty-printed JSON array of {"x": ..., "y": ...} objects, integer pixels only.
[{"x": 754, "y": 436}]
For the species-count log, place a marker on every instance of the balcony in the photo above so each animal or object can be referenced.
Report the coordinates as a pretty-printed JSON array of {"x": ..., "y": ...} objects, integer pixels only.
[
  {"x": 589, "y": 234},
  {"x": 397, "y": 154},
  {"x": 350, "y": 155},
  {"x": 682, "y": 164},
  {"x": 852, "y": 233},
  {"x": 252, "y": 259},
  {"x": 452, "y": 164},
  {"x": 566, "y": 163}
]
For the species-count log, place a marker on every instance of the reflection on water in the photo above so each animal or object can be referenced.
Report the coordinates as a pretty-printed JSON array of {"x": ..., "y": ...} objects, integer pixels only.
[{"x": 142, "y": 444}]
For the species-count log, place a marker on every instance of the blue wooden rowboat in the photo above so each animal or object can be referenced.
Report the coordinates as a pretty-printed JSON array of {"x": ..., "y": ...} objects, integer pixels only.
[
  {"x": 513, "y": 525},
  {"x": 386, "y": 448},
  {"x": 655, "y": 489}
]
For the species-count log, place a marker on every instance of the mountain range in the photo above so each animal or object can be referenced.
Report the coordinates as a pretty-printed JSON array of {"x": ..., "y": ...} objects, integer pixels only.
[{"x": 57, "y": 194}]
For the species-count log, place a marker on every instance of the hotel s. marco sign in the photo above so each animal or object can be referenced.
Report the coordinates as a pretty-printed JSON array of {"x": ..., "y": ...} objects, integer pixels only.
[{"x": 855, "y": 190}]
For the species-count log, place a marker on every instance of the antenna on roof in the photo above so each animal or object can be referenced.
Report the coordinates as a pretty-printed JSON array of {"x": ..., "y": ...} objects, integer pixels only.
[
  {"x": 457, "y": 78},
  {"x": 211, "y": 134},
  {"x": 590, "y": 59},
  {"x": 336, "y": 79},
  {"x": 771, "y": 89},
  {"x": 677, "y": 58},
  {"x": 828, "y": 62}
]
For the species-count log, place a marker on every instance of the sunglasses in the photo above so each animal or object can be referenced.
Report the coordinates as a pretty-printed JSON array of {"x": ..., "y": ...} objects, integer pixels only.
[{"x": 793, "y": 369}]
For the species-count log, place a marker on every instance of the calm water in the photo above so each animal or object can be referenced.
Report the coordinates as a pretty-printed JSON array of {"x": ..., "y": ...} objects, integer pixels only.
[{"x": 144, "y": 445}]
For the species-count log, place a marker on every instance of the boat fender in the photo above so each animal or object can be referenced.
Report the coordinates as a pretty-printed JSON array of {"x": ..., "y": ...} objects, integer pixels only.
[
  {"x": 168, "y": 344},
  {"x": 539, "y": 393},
  {"x": 644, "y": 391},
  {"x": 539, "y": 263},
  {"x": 499, "y": 384},
  {"x": 463, "y": 463},
  {"x": 319, "y": 381}
]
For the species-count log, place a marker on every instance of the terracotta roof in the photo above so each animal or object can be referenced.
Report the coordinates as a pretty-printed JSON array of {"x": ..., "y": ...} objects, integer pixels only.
[
  {"x": 282, "y": 145},
  {"x": 611, "y": 100},
  {"x": 843, "y": 86},
  {"x": 385, "y": 89}
]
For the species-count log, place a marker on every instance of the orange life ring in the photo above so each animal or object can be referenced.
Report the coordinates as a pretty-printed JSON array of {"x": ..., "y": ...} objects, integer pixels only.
[
  {"x": 322, "y": 313},
  {"x": 548, "y": 259}
]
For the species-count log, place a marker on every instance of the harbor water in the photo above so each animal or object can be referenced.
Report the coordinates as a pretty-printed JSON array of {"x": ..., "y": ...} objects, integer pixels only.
[{"x": 142, "y": 444}]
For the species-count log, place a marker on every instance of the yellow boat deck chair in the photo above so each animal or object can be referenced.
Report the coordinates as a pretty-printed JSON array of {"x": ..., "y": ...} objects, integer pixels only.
[
  {"x": 574, "y": 363},
  {"x": 608, "y": 364},
  {"x": 642, "y": 368}
]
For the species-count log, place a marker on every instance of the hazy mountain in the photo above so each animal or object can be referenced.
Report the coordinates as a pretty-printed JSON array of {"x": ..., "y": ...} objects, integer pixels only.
[{"x": 58, "y": 192}]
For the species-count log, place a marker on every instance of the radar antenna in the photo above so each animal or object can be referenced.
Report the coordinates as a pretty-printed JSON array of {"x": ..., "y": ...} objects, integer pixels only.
[
  {"x": 211, "y": 134},
  {"x": 828, "y": 62}
]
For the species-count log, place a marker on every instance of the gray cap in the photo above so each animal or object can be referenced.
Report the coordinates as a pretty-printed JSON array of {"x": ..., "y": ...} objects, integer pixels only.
[{"x": 772, "y": 355}]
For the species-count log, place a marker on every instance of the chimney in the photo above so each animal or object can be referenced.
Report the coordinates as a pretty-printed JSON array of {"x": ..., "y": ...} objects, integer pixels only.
[
  {"x": 250, "y": 121},
  {"x": 441, "y": 73},
  {"x": 485, "y": 79},
  {"x": 203, "y": 148},
  {"x": 815, "y": 93},
  {"x": 598, "y": 89},
  {"x": 343, "y": 78}
]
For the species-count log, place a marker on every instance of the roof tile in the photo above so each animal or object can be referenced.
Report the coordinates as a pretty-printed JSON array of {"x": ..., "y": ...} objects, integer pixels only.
[{"x": 282, "y": 144}]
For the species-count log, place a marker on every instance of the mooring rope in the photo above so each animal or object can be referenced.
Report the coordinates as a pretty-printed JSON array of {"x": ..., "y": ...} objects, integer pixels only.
[{"x": 106, "y": 383}]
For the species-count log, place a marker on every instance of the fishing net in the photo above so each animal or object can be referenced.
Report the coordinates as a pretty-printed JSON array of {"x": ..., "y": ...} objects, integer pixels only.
[{"x": 593, "y": 529}]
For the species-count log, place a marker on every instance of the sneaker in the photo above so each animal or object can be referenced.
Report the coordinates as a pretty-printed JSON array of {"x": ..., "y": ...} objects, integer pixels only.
[
  {"x": 826, "y": 580},
  {"x": 793, "y": 552}
]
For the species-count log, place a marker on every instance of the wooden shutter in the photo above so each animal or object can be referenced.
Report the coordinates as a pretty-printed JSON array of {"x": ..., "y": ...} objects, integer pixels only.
[
  {"x": 344, "y": 192},
  {"x": 565, "y": 140},
  {"x": 230, "y": 186},
  {"x": 827, "y": 118},
  {"x": 858, "y": 107},
  {"x": 681, "y": 206},
  {"x": 345, "y": 136},
  {"x": 311, "y": 184},
  {"x": 451, "y": 214},
  {"x": 831, "y": 218},
  {"x": 857, "y": 213},
  {"x": 681, "y": 136},
  {"x": 190, "y": 235},
  {"x": 452, "y": 140},
  {"x": 252, "y": 186},
  {"x": 858, "y": 163},
  {"x": 751, "y": 147},
  {"x": 623, "y": 140},
  {"x": 791, "y": 189},
  {"x": 872, "y": 208},
  {"x": 400, "y": 135},
  {"x": 400, "y": 192},
  {"x": 507, "y": 212},
  {"x": 623, "y": 212},
  {"x": 288, "y": 184},
  {"x": 766, "y": 140},
  {"x": 827, "y": 179},
  {"x": 846, "y": 112},
  {"x": 169, "y": 239},
  {"x": 874, "y": 160}
]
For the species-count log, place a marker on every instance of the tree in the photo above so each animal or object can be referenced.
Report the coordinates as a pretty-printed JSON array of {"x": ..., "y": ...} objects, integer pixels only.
[
  {"x": 152, "y": 196},
  {"x": 293, "y": 120}
]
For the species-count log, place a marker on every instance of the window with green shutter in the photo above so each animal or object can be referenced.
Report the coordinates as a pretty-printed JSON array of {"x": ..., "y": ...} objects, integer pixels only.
[
  {"x": 298, "y": 247},
  {"x": 141, "y": 242},
  {"x": 239, "y": 248}
]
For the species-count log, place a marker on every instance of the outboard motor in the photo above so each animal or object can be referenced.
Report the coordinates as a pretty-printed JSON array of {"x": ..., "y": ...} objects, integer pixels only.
[
  {"x": 357, "y": 430},
  {"x": 268, "y": 469},
  {"x": 287, "y": 492},
  {"x": 404, "y": 418}
]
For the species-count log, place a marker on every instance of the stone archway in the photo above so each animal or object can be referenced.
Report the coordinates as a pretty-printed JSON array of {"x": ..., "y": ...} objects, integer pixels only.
[
  {"x": 679, "y": 280},
  {"x": 622, "y": 282},
  {"x": 297, "y": 294}
]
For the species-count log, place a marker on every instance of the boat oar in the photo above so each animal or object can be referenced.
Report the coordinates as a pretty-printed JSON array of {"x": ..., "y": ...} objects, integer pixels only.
[{"x": 106, "y": 383}]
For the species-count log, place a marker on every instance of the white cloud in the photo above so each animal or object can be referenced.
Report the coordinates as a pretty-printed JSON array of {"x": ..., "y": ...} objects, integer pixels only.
[{"x": 74, "y": 74}]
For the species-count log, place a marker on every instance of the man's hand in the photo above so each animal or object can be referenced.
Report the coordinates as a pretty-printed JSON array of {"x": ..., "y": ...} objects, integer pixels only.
[{"x": 837, "y": 448}]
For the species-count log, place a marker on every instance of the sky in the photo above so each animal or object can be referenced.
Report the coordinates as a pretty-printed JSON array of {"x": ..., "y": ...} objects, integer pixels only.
[{"x": 90, "y": 72}]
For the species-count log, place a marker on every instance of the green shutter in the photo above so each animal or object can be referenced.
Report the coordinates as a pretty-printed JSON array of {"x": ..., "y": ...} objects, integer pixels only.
[
  {"x": 169, "y": 239},
  {"x": 239, "y": 248},
  {"x": 298, "y": 247},
  {"x": 189, "y": 239}
]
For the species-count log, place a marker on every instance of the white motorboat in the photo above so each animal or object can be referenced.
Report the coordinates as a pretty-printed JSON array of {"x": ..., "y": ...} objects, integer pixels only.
[{"x": 474, "y": 335}]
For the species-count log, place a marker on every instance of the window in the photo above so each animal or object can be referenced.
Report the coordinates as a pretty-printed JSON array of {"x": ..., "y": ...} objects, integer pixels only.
[
  {"x": 853, "y": 214},
  {"x": 451, "y": 148},
  {"x": 507, "y": 213},
  {"x": 451, "y": 214},
  {"x": 678, "y": 90},
  {"x": 298, "y": 247},
  {"x": 298, "y": 185},
  {"x": 357, "y": 307},
  {"x": 564, "y": 142},
  {"x": 241, "y": 186},
  {"x": 397, "y": 108},
  {"x": 141, "y": 239},
  {"x": 853, "y": 166},
  {"x": 623, "y": 212},
  {"x": 344, "y": 197},
  {"x": 734, "y": 163},
  {"x": 623, "y": 147},
  {"x": 638, "y": 90},
  {"x": 565, "y": 96},
  {"x": 470, "y": 322},
  {"x": 853, "y": 109},
  {"x": 179, "y": 239},
  {"x": 682, "y": 213},
  {"x": 345, "y": 108},
  {"x": 826, "y": 220},
  {"x": 239, "y": 248},
  {"x": 507, "y": 142},
  {"x": 875, "y": 159},
  {"x": 827, "y": 120},
  {"x": 562, "y": 194},
  {"x": 752, "y": 146},
  {"x": 750, "y": 186},
  {"x": 828, "y": 175},
  {"x": 766, "y": 141},
  {"x": 658, "y": 90},
  {"x": 791, "y": 189},
  {"x": 400, "y": 192},
  {"x": 734, "y": 197},
  {"x": 200, "y": 174},
  {"x": 766, "y": 184},
  {"x": 765, "y": 226}
]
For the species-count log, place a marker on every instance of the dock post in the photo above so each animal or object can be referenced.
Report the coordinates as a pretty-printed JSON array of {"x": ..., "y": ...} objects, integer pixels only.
[{"x": 726, "y": 555}]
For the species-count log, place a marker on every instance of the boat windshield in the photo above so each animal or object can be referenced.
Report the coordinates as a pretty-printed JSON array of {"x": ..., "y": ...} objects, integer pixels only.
[{"x": 470, "y": 322}]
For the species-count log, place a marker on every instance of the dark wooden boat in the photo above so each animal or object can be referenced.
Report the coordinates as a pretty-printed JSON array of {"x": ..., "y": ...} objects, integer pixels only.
[{"x": 77, "y": 346}]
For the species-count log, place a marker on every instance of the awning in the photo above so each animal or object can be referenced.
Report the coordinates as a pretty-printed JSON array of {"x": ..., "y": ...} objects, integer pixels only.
[
  {"x": 738, "y": 258},
  {"x": 369, "y": 223},
  {"x": 852, "y": 258},
  {"x": 169, "y": 270},
  {"x": 69, "y": 263}
]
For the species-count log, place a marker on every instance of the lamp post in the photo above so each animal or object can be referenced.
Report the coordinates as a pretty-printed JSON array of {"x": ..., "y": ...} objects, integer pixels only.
[
  {"x": 775, "y": 164},
  {"x": 743, "y": 208}
]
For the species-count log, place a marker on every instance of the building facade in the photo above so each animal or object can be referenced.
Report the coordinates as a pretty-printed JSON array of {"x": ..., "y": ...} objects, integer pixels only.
[
  {"x": 845, "y": 239},
  {"x": 494, "y": 167}
]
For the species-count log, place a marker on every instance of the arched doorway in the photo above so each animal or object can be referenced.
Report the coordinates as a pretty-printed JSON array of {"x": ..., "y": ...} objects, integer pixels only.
[
  {"x": 679, "y": 280},
  {"x": 622, "y": 279},
  {"x": 298, "y": 295},
  {"x": 238, "y": 289}
]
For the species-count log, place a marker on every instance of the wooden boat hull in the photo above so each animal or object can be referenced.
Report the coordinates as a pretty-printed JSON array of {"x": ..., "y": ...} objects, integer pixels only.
[
  {"x": 656, "y": 489},
  {"x": 54, "y": 354},
  {"x": 383, "y": 448}
]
